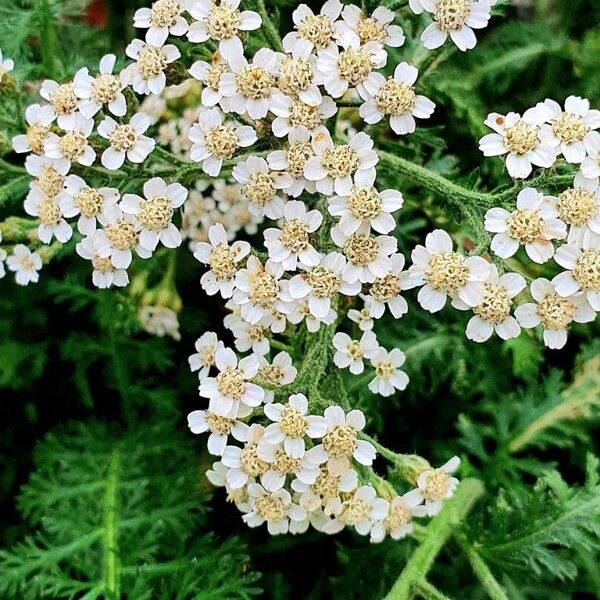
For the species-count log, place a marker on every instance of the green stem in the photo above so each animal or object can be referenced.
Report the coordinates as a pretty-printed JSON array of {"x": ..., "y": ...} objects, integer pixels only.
[
  {"x": 268, "y": 28},
  {"x": 111, "y": 562},
  {"x": 280, "y": 346},
  {"x": 493, "y": 589},
  {"x": 437, "y": 533},
  {"x": 428, "y": 591}
]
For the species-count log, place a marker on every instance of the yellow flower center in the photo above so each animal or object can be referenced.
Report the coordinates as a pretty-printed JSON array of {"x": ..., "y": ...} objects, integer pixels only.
[
  {"x": 521, "y": 138},
  {"x": 71, "y": 145},
  {"x": 340, "y": 161},
  {"x": 361, "y": 250},
  {"x": 294, "y": 235},
  {"x": 259, "y": 189},
  {"x": 152, "y": 62},
  {"x": 264, "y": 289},
  {"x": 164, "y": 12},
  {"x": 587, "y": 271},
  {"x": 395, "y": 98},
  {"x": 272, "y": 373},
  {"x": 254, "y": 82},
  {"x": 324, "y": 282},
  {"x": 354, "y": 510},
  {"x": 354, "y": 350},
  {"x": 231, "y": 383},
  {"x": 364, "y": 203},
  {"x": 63, "y": 100},
  {"x": 218, "y": 424},
  {"x": 326, "y": 485},
  {"x": 223, "y": 22},
  {"x": 371, "y": 30},
  {"x": 48, "y": 211},
  {"x": 213, "y": 76},
  {"x": 297, "y": 155},
  {"x": 285, "y": 463},
  {"x": 295, "y": 75},
  {"x": 317, "y": 29},
  {"x": 121, "y": 235},
  {"x": 36, "y": 136},
  {"x": 399, "y": 515},
  {"x": 304, "y": 114},
  {"x": 436, "y": 486},
  {"x": 222, "y": 262},
  {"x": 450, "y": 15},
  {"x": 385, "y": 288},
  {"x": 123, "y": 138},
  {"x": 250, "y": 463},
  {"x": 577, "y": 206},
  {"x": 525, "y": 225},
  {"x": 556, "y": 312},
  {"x": 385, "y": 369},
  {"x": 50, "y": 181},
  {"x": 105, "y": 88},
  {"x": 292, "y": 422},
  {"x": 495, "y": 306},
  {"x": 156, "y": 213},
  {"x": 89, "y": 201},
  {"x": 569, "y": 128},
  {"x": 354, "y": 65},
  {"x": 340, "y": 441},
  {"x": 207, "y": 355},
  {"x": 447, "y": 272},
  {"x": 222, "y": 142},
  {"x": 102, "y": 264},
  {"x": 271, "y": 507}
]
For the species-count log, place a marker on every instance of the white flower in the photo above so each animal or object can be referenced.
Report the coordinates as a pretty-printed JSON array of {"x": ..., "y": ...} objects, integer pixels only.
[
  {"x": 295, "y": 78},
  {"x": 366, "y": 207},
  {"x": 554, "y": 312},
  {"x": 376, "y": 28},
  {"x": 204, "y": 357},
  {"x": 281, "y": 464},
  {"x": 162, "y": 19},
  {"x": 104, "y": 90},
  {"x": 443, "y": 272},
  {"x": 119, "y": 236},
  {"x": 341, "y": 442},
  {"x": 533, "y": 224},
  {"x": 568, "y": 128},
  {"x": 397, "y": 523},
  {"x": 258, "y": 290},
  {"x": 25, "y": 264},
  {"x": 201, "y": 421},
  {"x": 6, "y": 65},
  {"x": 279, "y": 372},
  {"x": 276, "y": 508},
  {"x": 260, "y": 186},
  {"x": 579, "y": 208},
  {"x": 159, "y": 320},
  {"x": 522, "y": 139},
  {"x": 352, "y": 67},
  {"x": 350, "y": 353},
  {"x": 335, "y": 167},
  {"x": 214, "y": 141},
  {"x": 325, "y": 491},
  {"x": 396, "y": 97},
  {"x": 230, "y": 393},
  {"x": 147, "y": 74},
  {"x": 155, "y": 212},
  {"x": 313, "y": 32},
  {"x": 249, "y": 336},
  {"x": 249, "y": 87},
  {"x": 126, "y": 140},
  {"x": 367, "y": 256},
  {"x": 223, "y": 260},
  {"x": 51, "y": 221},
  {"x": 64, "y": 104},
  {"x": 73, "y": 145},
  {"x": 361, "y": 510},
  {"x": 583, "y": 271},
  {"x": 38, "y": 118},
  {"x": 244, "y": 463},
  {"x": 362, "y": 317},
  {"x": 50, "y": 173},
  {"x": 105, "y": 274},
  {"x": 385, "y": 291},
  {"x": 388, "y": 375},
  {"x": 292, "y": 159},
  {"x": 209, "y": 74},
  {"x": 218, "y": 477},
  {"x": 291, "y": 245},
  {"x": 294, "y": 115},
  {"x": 222, "y": 23},
  {"x": 302, "y": 312},
  {"x": 590, "y": 166},
  {"x": 493, "y": 313},
  {"x": 321, "y": 283},
  {"x": 436, "y": 485},
  {"x": 456, "y": 18},
  {"x": 78, "y": 198},
  {"x": 291, "y": 424}
]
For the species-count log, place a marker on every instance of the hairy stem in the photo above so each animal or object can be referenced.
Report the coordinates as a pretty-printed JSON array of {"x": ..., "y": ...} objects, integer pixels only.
[
  {"x": 493, "y": 589},
  {"x": 111, "y": 562},
  {"x": 437, "y": 533}
]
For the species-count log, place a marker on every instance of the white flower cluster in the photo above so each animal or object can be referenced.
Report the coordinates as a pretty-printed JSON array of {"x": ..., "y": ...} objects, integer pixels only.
[
  {"x": 540, "y": 138},
  {"x": 298, "y": 469}
]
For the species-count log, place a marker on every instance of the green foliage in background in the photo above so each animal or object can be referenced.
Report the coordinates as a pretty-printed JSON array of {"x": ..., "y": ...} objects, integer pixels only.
[{"x": 102, "y": 488}]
